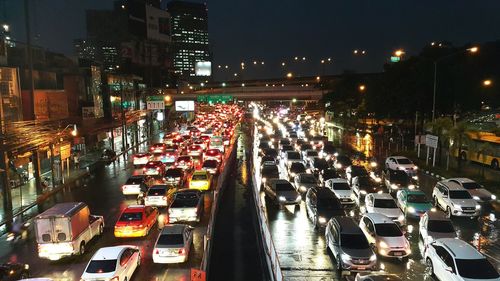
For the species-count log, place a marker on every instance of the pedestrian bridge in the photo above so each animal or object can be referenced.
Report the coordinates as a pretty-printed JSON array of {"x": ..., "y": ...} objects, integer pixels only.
[{"x": 258, "y": 93}]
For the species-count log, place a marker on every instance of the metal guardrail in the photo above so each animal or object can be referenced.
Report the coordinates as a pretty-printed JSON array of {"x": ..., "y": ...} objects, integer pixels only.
[{"x": 272, "y": 259}]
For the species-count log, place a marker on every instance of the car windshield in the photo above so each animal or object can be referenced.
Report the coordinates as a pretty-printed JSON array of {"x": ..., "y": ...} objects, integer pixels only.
[
  {"x": 297, "y": 167},
  {"x": 312, "y": 153},
  {"x": 328, "y": 204},
  {"x": 358, "y": 171},
  {"x": 400, "y": 177},
  {"x": 388, "y": 230},
  {"x": 293, "y": 155},
  {"x": 354, "y": 241},
  {"x": 156, "y": 191},
  {"x": 307, "y": 179},
  {"x": 341, "y": 186},
  {"x": 199, "y": 177},
  {"x": 170, "y": 239},
  {"x": 384, "y": 203},
  {"x": 459, "y": 194},
  {"x": 101, "y": 266},
  {"x": 417, "y": 198},
  {"x": 440, "y": 226},
  {"x": 173, "y": 173},
  {"x": 186, "y": 195},
  {"x": 476, "y": 269},
  {"x": 183, "y": 158},
  {"x": 287, "y": 147},
  {"x": 134, "y": 181},
  {"x": 320, "y": 164},
  {"x": 404, "y": 161},
  {"x": 471, "y": 185},
  {"x": 131, "y": 216},
  {"x": 210, "y": 164},
  {"x": 284, "y": 187},
  {"x": 344, "y": 160},
  {"x": 364, "y": 181}
]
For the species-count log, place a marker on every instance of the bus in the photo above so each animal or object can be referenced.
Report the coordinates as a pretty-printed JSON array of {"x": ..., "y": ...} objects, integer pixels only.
[{"x": 486, "y": 149}]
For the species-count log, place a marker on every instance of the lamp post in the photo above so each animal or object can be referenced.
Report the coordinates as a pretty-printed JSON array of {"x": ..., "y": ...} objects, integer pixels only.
[{"x": 471, "y": 50}]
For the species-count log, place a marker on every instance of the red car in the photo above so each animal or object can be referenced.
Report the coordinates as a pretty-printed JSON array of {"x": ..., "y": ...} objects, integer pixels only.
[
  {"x": 154, "y": 168},
  {"x": 136, "y": 221},
  {"x": 194, "y": 150},
  {"x": 213, "y": 154}
]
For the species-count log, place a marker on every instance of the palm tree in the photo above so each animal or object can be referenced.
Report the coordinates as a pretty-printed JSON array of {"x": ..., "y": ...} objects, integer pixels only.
[{"x": 459, "y": 134}]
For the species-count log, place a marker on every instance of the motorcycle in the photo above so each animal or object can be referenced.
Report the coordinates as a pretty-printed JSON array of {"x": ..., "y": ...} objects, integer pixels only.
[{"x": 21, "y": 235}]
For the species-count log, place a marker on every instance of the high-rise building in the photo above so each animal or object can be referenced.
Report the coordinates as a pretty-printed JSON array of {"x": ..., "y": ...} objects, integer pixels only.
[{"x": 190, "y": 36}]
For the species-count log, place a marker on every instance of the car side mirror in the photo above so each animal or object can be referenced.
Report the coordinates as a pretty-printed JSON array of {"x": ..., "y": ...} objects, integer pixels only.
[{"x": 449, "y": 269}]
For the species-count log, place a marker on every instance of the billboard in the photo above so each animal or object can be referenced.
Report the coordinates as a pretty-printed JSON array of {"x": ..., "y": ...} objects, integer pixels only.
[
  {"x": 203, "y": 68},
  {"x": 184, "y": 105},
  {"x": 157, "y": 24}
]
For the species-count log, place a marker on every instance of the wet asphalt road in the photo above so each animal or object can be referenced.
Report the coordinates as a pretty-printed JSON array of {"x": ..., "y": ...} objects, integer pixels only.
[
  {"x": 303, "y": 256},
  {"x": 102, "y": 192}
]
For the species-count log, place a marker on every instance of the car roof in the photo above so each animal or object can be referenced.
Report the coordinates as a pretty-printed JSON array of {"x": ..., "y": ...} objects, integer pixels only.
[
  {"x": 280, "y": 181},
  {"x": 399, "y": 157},
  {"x": 378, "y": 218},
  {"x": 451, "y": 185},
  {"x": 109, "y": 253},
  {"x": 338, "y": 180},
  {"x": 200, "y": 172},
  {"x": 460, "y": 180},
  {"x": 323, "y": 192},
  {"x": 460, "y": 249},
  {"x": 381, "y": 196},
  {"x": 173, "y": 229},
  {"x": 348, "y": 225}
]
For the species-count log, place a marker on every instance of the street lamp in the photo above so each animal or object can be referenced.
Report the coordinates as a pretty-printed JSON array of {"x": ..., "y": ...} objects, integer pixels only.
[
  {"x": 5, "y": 27},
  {"x": 289, "y": 75},
  {"x": 487, "y": 83},
  {"x": 399, "y": 53},
  {"x": 362, "y": 88},
  {"x": 473, "y": 49}
]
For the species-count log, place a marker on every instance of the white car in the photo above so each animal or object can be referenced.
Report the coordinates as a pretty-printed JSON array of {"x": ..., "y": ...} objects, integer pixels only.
[
  {"x": 377, "y": 276},
  {"x": 113, "y": 263},
  {"x": 435, "y": 225},
  {"x": 477, "y": 191},
  {"x": 134, "y": 185},
  {"x": 156, "y": 196},
  {"x": 401, "y": 163},
  {"x": 140, "y": 159},
  {"x": 385, "y": 235},
  {"x": 454, "y": 259},
  {"x": 454, "y": 200},
  {"x": 342, "y": 190},
  {"x": 384, "y": 204},
  {"x": 173, "y": 244}
]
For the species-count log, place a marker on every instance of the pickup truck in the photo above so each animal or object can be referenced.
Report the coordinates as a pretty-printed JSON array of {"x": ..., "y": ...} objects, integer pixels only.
[
  {"x": 187, "y": 205},
  {"x": 65, "y": 230}
]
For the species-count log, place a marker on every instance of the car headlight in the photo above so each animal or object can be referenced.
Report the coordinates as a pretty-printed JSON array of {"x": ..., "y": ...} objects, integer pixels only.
[
  {"x": 363, "y": 192},
  {"x": 456, "y": 206},
  {"x": 415, "y": 168},
  {"x": 415, "y": 177},
  {"x": 322, "y": 220},
  {"x": 476, "y": 198},
  {"x": 377, "y": 179},
  {"x": 264, "y": 180},
  {"x": 338, "y": 166},
  {"x": 292, "y": 174},
  {"x": 493, "y": 197},
  {"x": 282, "y": 198},
  {"x": 411, "y": 210},
  {"x": 336, "y": 154},
  {"x": 373, "y": 164},
  {"x": 401, "y": 168},
  {"x": 411, "y": 186},
  {"x": 478, "y": 207},
  {"x": 302, "y": 188},
  {"x": 401, "y": 218},
  {"x": 298, "y": 198},
  {"x": 394, "y": 186},
  {"x": 382, "y": 244},
  {"x": 345, "y": 257},
  {"x": 373, "y": 257}
]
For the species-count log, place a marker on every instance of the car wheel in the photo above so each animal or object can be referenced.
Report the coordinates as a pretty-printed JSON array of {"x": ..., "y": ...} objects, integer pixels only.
[
  {"x": 430, "y": 266},
  {"x": 448, "y": 212},
  {"x": 82, "y": 248}
]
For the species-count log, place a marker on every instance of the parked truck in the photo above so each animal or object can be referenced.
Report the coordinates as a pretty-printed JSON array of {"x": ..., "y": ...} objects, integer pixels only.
[{"x": 65, "y": 230}]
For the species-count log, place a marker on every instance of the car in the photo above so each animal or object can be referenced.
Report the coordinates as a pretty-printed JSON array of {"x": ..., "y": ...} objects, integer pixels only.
[
  {"x": 477, "y": 191},
  {"x": 454, "y": 200},
  {"x": 170, "y": 155},
  {"x": 134, "y": 185},
  {"x": 194, "y": 150},
  {"x": 349, "y": 246},
  {"x": 309, "y": 155},
  {"x": 113, "y": 263},
  {"x": 342, "y": 162},
  {"x": 383, "y": 203},
  {"x": 292, "y": 157},
  {"x": 322, "y": 205},
  {"x": 175, "y": 176},
  {"x": 435, "y": 225},
  {"x": 211, "y": 166},
  {"x": 173, "y": 244},
  {"x": 284, "y": 149},
  {"x": 136, "y": 221},
  {"x": 295, "y": 168},
  {"x": 354, "y": 171},
  {"x": 212, "y": 154},
  {"x": 401, "y": 163},
  {"x": 14, "y": 271},
  {"x": 269, "y": 172},
  {"x": 185, "y": 162},
  {"x": 385, "y": 235},
  {"x": 317, "y": 142},
  {"x": 200, "y": 180},
  {"x": 413, "y": 203},
  {"x": 202, "y": 143},
  {"x": 282, "y": 192},
  {"x": 318, "y": 165},
  {"x": 158, "y": 195},
  {"x": 328, "y": 174},
  {"x": 270, "y": 152},
  {"x": 377, "y": 276},
  {"x": 363, "y": 185},
  {"x": 187, "y": 205},
  {"x": 454, "y": 259},
  {"x": 304, "y": 181},
  {"x": 158, "y": 147},
  {"x": 342, "y": 190},
  {"x": 154, "y": 168},
  {"x": 397, "y": 179},
  {"x": 159, "y": 156},
  {"x": 140, "y": 159}
]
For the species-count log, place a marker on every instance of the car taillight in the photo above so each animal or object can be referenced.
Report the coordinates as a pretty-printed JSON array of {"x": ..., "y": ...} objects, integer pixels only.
[
  {"x": 144, "y": 169},
  {"x": 182, "y": 251},
  {"x": 123, "y": 187},
  {"x": 116, "y": 278},
  {"x": 157, "y": 251},
  {"x": 157, "y": 168},
  {"x": 164, "y": 198}
]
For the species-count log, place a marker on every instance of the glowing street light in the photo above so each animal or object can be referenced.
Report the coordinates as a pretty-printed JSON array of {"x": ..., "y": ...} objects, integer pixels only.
[
  {"x": 487, "y": 83},
  {"x": 74, "y": 132},
  {"x": 283, "y": 64},
  {"x": 289, "y": 75},
  {"x": 6, "y": 27},
  {"x": 399, "y": 53},
  {"x": 294, "y": 100},
  {"x": 362, "y": 88},
  {"x": 473, "y": 49}
]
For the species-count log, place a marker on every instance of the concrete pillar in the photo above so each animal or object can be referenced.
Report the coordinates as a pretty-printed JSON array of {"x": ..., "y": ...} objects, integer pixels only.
[
  {"x": 5, "y": 183},
  {"x": 35, "y": 158}
]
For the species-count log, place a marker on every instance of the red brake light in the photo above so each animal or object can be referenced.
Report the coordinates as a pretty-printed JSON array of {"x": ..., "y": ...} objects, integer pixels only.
[
  {"x": 157, "y": 252},
  {"x": 157, "y": 168},
  {"x": 182, "y": 251}
]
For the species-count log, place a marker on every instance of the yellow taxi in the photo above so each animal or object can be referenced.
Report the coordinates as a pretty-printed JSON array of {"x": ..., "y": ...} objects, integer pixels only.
[
  {"x": 136, "y": 221},
  {"x": 200, "y": 180}
]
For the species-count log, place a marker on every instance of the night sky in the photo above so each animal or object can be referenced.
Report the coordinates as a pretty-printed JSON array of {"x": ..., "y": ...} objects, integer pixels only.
[{"x": 274, "y": 31}]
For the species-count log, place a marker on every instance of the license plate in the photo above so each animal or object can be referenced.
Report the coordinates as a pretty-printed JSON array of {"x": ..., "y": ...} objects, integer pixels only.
[
  {"x": 362, "y": 268},
  {"x": 398, "y": 253}
]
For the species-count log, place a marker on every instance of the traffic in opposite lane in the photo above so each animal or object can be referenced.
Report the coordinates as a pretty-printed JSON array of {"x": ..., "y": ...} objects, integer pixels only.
[
  {"x": 144, "y": 219},
  {"x": 357, "y": 217}
]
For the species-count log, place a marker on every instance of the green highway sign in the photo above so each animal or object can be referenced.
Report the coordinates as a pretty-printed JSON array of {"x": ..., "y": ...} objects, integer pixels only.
[
  {"x": 154, "y": 98},
  {"x": 215, "y": 98}
]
